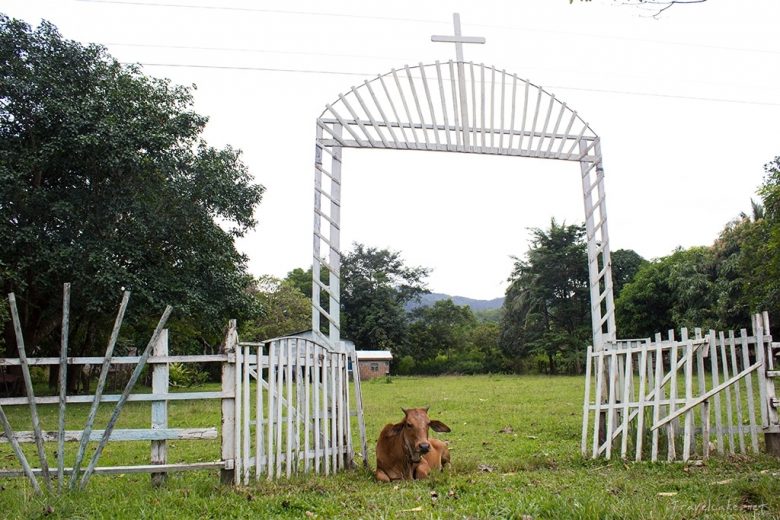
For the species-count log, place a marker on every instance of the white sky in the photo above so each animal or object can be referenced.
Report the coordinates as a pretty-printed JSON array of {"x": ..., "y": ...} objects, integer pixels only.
[{"x": 687, "y": 106}]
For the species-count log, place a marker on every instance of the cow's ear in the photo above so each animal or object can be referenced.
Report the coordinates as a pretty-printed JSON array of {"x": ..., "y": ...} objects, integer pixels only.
[
  {"x": 439, "y": 426},
  {"x": 397, "y": 428}
]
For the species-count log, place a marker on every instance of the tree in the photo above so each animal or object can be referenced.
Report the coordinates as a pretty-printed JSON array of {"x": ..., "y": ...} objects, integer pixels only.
[
  {"x": 105, "y": 182},
  {"x": 625, "y": 264},
  {"x": 376, "y": 284},
  {"x": 285, "y": 310},
  {"x": 546, "y": 310},
  {"x": 674, "y": 291},
  {"x": 439, "y": 329}
]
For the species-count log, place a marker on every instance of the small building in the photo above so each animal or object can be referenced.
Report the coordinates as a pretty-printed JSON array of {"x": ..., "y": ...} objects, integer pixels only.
[{"x": 373, "y": 363}]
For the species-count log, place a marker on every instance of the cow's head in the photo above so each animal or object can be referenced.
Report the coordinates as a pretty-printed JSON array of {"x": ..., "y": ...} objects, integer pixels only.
[{"x": 414, "y": 431}]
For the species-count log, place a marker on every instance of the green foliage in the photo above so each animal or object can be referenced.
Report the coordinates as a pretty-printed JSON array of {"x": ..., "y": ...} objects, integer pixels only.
[
  {"x": 185, "y": 375},
  {"x": 285, "y": 310},
  {"x": 546, "y": 310},
  {"x": 105, "y": 182},
  {"x": 376, "y": 285}
]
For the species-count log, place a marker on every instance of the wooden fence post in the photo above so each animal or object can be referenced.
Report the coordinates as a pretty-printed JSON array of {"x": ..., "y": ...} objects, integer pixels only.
[
  {"x": 160, "y": 382},
  {"x": 227, "y": 475}
]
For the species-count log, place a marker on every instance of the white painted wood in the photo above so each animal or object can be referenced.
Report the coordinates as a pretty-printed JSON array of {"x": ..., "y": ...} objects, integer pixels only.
[
  {"x": 585, "y": 400},
  {"x": 121, "y": 435},
  {"x": 123, "y": 398},
  {"x": 317, "y": 407},
  {"x": 429, "y": 99},
  {"x": 672, "y": 426},
  {"x": 282, "y": 361},
  {"x": 599, "y": 397},
  {"x": 715, "y": 383},
  {"x": 325, "y": 426},
  {"x": 63, "y": 383},
  {"x": 260, "y": 456},
  {"x": 290, "y": 411},
  {"x": 247, "y": 417},
  {"x": 273, "y": 367},
  {"x": 359, "y": 408},
  {"x": 160, "y": 408},
  {"x": 611, "y": 402},
  {"x": 228, "y": 404},
  {"x": 627, "y": 378},
  {"x": 416, "y": 100},
  {"x": 688, "y": 433},
  {"x": 299, "y": 387},
  {"x": 458, "y": 39},
  {"x": 238, "y": 465},
  {"x": 729, "y": 415},
  {"x": 640, "y": 430},
  {"x": 702, "y": 398},
  {"x": 120, "y": 470},
  {"x": 333, "y": 413},
  {"x": 29, "y": 390},
  {"x": 658, "y": 393},
  {"x": 26, "y": 469},
  {"x": 749, "y": 389},
  {"x": 701, "y": 375},
  {"x": 758, "y": 333},
  {"x": 307, "y": 416},
  {"x": 737, "y": 393}
]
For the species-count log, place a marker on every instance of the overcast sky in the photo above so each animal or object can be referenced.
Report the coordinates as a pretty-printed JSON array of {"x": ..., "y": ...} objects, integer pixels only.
[{"x": 687, "y": 105}]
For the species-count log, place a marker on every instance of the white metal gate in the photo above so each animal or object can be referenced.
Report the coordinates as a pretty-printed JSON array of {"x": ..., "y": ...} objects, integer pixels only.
[{"x": 675, "y": 399}]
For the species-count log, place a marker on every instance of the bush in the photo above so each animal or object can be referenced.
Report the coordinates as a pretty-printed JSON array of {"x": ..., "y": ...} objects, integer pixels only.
[{"x": 181, "y": 375}]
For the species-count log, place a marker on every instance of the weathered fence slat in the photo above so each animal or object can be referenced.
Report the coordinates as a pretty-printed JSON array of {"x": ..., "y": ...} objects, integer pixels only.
[
  {"x": 247, "y": 417},
  {"x": 271, "y": 407},
  {"x": 585, "y": 400},
  {"x": 29, "y": 389},
  {"x": 9, "y": 434},
  {"x": 685, "y": 432},
  {"x": 737, "y": 393},
  {"x": 160, "y": 408},
  {"x": 63, "y": 383},
  {"x": 260, "y": 439},
  {"x": 99, "y": 388},
  {"x": 749, "y": 390},
  {"x": 725, "y": 364},
  {"x": 123, "y": 399}
]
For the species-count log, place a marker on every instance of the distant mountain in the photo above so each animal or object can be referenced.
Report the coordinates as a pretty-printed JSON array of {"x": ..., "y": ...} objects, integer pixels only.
[{"x": 476, "y": 305}]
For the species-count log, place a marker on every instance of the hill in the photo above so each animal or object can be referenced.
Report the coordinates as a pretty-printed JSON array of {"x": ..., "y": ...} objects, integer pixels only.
[{"x": 476, "y": 305}]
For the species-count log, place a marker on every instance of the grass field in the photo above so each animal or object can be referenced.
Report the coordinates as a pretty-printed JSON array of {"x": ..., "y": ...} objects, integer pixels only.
[{"x": 515, "y": 449}]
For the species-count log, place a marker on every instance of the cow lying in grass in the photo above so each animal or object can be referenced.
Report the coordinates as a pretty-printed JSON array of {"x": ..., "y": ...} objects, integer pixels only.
[{"x": 404, "y": 451}]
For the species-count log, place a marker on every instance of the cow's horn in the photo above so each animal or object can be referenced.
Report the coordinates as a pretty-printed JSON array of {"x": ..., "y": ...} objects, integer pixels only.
[
  {"x": 404, "y": 410},
  {"x": 426, "y": 408}
]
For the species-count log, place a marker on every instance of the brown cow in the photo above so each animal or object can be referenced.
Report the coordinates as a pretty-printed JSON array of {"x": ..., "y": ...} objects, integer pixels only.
[{"x": 404, "y": 451}]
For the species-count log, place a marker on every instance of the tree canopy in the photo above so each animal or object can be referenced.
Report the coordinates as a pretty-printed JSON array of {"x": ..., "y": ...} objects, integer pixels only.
[
  {"x": 376, "y": 285},
  {"x": 105, "y": 182}
]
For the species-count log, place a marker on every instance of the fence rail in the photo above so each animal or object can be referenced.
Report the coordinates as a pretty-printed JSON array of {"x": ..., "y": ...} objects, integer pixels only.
[{"x": 677, "y": 398}]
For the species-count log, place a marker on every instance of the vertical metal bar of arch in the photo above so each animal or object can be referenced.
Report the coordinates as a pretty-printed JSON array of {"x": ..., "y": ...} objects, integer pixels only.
[
  {"x": 428, "y": 98},
  {"x": 461, "y": 136},
  {"x": 443, "y": 106},
  {"x": 417, "y": 105}
]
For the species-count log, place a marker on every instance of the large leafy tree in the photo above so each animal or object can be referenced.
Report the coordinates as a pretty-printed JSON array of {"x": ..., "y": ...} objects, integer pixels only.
[
  {"x": 286, "y": 310},
  {"x": 546, "y": 310},
  {"x": 105, "y": 182},
  {"x": 376, "y": 285},
  {"x": 440, "y": 329}
]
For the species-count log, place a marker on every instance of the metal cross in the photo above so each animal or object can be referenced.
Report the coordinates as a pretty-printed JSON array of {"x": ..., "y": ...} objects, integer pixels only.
[{"x": 458, "y": 39}]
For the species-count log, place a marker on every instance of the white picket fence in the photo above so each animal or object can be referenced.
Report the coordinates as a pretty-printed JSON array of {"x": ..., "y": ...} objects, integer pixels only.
[
  {"x": 297, "y": 419},
  {"x": 300, "y": 412},
  {"x": 678, "y": 398}
]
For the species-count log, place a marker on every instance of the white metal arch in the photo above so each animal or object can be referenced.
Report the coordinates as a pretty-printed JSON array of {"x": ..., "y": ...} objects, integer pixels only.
[{"x": 454, "y": 106}]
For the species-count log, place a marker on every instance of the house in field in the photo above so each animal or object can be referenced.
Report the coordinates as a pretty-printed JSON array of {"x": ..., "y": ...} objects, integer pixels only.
[{"x": 371, "y": 363}]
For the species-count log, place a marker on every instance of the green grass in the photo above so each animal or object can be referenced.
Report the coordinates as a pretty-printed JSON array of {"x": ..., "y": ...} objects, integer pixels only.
[{"x": 515, "y": 449}]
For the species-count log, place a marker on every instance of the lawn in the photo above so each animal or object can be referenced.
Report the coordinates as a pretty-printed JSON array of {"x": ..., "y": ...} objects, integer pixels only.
[{"x": 515, "y": 450}]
